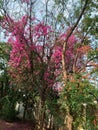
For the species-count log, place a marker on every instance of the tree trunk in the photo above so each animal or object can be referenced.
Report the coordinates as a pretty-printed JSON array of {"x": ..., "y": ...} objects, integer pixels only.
[
  {"x": 69, "y": 121},
  {"x": 40, "y": 124},
  {"x": 42, "y": 115}
]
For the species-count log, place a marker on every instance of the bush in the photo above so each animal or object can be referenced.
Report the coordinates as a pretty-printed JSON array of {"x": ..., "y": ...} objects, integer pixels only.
[{"x": 8, "y": 110}]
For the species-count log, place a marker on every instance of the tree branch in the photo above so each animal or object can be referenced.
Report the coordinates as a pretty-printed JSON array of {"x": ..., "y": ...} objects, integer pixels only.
[
  {"x": 96, "y": 57},
  {"x": 66, "y": 41},
  {"x": 81, "y": 14}
]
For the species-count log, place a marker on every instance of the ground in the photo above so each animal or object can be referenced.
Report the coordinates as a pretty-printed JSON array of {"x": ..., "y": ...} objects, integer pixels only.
[{"x": 19, "y": 125}]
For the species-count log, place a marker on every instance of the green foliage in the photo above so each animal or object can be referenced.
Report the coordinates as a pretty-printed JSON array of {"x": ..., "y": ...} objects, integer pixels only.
[
  {"x": 59, "y": 17},
  {"x": 93, "y": 54},
  {"x": 87, "y": 21},
  {"x": 8, "y": 110},
  {"x": 4, "y": 57},
  {"x": 53, "y": 108},
  {"x": 74, "y": 96},
  {"x": 4, "y": 78},
  {"x": 1, "y": 17},
  {"x": 4, "y": 50},
  {"x": 0, "y": 3},
  {"x": 8, "y": 104}
]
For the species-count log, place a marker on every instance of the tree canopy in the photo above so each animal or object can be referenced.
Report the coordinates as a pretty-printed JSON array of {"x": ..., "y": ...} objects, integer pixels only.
[{"x": 51, "y": 52}]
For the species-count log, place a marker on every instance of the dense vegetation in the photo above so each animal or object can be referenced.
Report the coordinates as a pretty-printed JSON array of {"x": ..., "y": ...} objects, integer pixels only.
[{"x": 49, "y": 62}]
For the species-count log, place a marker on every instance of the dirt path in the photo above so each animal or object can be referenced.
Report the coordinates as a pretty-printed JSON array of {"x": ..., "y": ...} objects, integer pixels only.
[{"x": 15, "y": 125}]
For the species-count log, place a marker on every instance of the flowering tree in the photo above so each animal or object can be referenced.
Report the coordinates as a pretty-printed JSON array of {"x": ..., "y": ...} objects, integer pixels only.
[{"x": 48, "y": 61}]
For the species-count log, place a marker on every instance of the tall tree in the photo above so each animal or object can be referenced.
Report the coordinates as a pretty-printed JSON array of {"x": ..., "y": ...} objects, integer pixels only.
[{"x": 51, "y": 50}]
